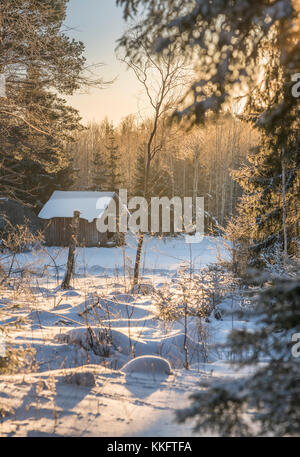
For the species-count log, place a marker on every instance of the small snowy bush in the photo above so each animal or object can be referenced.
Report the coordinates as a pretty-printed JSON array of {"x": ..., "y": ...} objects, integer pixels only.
[{"x": 83, "y": 378}]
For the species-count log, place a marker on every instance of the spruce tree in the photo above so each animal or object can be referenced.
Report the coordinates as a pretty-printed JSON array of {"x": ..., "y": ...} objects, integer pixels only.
[
  {"x": 259, "y": 224},
  {"x": 100, "y": 171},
  {"x": 158, "y": 181},
  {"x": 114, "y": 177},
  {"x": 99, "y": 158},
  {"x": 268, "y": 210}
]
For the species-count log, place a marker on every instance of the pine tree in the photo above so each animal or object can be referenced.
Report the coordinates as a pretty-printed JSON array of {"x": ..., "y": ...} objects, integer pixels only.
[
  {"x": 39, "y": 62},
  {"x": 41, "y": 160}
]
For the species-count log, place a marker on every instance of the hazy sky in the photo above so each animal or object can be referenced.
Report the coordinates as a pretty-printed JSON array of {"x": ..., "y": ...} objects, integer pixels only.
[{"x": 99, "y": 23}]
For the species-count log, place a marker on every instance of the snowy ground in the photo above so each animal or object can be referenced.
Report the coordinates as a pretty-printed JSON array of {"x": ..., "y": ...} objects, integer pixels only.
[{"x": 83, "y": 338}]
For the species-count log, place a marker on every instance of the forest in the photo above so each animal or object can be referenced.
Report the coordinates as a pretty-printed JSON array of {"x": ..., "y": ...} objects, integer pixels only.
[{"x": 213, "y": 324}]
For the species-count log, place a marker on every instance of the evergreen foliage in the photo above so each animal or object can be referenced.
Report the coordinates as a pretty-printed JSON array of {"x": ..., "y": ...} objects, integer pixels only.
[
  {"x": 114, "y": 177},
  {"x": 266, "y": 399},
  {"x": 39, "y": 62},
  {"x": 231, "y": 41}
]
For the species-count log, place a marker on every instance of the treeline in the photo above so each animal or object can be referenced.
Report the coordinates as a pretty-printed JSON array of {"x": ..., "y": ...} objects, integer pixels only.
[
  {"x": 189, "y": 163},
  {"x": 247, "y": 171}
]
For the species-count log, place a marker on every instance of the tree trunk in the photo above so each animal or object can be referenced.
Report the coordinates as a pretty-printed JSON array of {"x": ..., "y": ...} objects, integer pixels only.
[
  {"x": 196, "y": 177},
  {"x": 141, "y": 237},
  {"x": 72, "y": 250},
  {"x": 138, "y": 260},
  {"x": 285, "y": 241}
]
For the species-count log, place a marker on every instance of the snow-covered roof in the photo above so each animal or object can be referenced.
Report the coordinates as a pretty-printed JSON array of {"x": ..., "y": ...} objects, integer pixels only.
[{"x": 63, "y": 204}]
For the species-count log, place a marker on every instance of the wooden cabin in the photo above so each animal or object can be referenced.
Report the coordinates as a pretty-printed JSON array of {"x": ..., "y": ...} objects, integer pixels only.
[{"x": 58, "y": 213}]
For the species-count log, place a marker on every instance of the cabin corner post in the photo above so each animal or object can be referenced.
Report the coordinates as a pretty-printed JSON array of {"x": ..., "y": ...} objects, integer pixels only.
[{"x": 72, "y": 250}]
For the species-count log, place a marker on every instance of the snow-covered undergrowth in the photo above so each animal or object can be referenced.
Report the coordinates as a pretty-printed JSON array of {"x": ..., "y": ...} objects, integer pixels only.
[{"x": 88, "y": 339}]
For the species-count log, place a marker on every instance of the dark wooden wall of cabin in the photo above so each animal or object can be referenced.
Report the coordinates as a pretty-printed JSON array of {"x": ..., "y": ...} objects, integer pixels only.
[{"x": 58, "y": 233}]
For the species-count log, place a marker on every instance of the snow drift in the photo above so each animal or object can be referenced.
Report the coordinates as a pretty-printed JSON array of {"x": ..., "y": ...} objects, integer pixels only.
[{"x": 147, "y": 365}]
